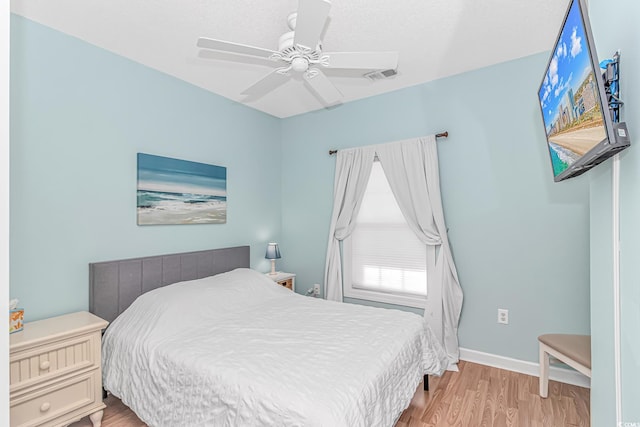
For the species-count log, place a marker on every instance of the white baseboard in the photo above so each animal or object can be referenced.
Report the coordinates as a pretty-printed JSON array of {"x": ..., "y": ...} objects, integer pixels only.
[{"x": 568, "y": 376}]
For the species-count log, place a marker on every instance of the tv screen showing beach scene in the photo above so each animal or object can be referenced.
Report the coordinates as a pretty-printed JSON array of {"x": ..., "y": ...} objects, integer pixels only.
[
  {"x": 172, "y": 191},
  {"x": 569, "y": 95}
]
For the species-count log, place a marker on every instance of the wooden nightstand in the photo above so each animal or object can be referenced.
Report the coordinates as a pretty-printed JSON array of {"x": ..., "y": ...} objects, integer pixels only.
[
  {"x": 288, "y": 280},
  {"x": 55, "y": 371}
]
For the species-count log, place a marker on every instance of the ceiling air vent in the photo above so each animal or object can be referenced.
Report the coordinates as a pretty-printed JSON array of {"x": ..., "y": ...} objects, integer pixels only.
[{"x": 380, "y": 75}]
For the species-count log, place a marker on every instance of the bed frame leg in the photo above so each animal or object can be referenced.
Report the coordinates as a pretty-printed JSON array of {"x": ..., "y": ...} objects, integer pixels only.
[{"x": 426, "y": 383}]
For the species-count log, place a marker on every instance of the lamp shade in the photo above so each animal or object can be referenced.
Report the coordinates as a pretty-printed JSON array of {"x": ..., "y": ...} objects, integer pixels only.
[{"x": 273, "y": 252}]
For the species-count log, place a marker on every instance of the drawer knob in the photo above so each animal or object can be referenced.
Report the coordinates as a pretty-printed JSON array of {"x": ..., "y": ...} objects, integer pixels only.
[
  {"x": 44, "y": 365},
  {"x": 45, "y": 407}
]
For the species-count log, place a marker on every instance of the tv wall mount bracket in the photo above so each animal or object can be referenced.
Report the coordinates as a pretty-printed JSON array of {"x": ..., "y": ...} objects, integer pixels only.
[{"x": 611, "y": 78}]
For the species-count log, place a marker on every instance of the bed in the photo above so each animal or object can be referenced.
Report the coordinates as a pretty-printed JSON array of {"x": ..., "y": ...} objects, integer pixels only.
[{"x": 199, "y": 339}]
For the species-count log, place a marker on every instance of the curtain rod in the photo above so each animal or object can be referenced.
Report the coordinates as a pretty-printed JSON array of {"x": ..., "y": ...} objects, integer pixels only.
[{"x": 438, "y": 135}]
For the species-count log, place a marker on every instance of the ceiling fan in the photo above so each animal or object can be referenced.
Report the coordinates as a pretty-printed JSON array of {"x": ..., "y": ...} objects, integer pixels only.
[{"x": 300, "y": 51}]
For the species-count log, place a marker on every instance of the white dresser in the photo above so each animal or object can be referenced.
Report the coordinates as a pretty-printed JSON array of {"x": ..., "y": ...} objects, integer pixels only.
[{"x": 55, "y": 371}]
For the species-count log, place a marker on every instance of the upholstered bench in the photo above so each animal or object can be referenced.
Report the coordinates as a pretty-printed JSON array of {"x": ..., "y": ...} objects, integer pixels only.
[{"x": 574, "y": 350}]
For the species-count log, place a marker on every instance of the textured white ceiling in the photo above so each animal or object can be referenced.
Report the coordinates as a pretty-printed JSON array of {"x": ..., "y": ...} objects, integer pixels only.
[{"x": 435, "y": 38}]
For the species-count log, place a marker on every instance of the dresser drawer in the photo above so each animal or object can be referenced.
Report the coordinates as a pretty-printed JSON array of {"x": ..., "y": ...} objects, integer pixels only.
[
  {"x": 46, "y": 362},
  {"x": 43, "y": 406}
]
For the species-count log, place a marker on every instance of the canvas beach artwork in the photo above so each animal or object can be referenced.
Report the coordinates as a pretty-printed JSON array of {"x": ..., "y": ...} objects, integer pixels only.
[{"x": 173, "y": 191}]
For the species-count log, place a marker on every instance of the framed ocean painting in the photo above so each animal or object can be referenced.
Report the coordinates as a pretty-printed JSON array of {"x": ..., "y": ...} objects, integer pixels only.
[{"x": 173, "y": 191}]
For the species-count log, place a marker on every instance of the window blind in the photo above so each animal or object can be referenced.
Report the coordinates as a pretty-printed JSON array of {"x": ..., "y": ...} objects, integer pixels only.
[{"x": 386, "y": 256}]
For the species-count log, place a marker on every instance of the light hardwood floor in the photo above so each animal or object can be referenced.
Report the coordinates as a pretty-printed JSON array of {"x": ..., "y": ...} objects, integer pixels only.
[
  {"x": 477, "y": 396},
  {"x": 481, "y": 396}
]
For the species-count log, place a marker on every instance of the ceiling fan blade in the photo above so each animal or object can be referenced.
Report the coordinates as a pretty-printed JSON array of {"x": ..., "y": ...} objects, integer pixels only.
[
  {"x": 322, "y": 86},
  {"x": 237, "y": 48},
  {"x": 218, "y": 55},
  {"x": 362, "y": 60},
  {"x": 267, "y": 83},
  {"x": 312, "y": 15}
]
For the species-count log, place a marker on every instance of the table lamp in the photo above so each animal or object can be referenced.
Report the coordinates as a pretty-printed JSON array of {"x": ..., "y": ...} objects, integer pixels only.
[{"x": 273, "y": 253}]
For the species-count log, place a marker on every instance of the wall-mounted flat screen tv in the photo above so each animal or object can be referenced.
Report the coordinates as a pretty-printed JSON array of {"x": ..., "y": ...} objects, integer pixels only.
[{"x": 578, "y": 125}]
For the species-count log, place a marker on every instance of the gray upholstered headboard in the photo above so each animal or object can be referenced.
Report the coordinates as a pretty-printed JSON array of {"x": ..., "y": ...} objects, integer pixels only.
[{"x": 114, "y": 285}]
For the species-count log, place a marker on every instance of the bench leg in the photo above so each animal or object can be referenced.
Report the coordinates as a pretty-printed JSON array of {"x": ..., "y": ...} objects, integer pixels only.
[
  {"x": 425, "y": 384},
  {"x": 544, "y": 372}
]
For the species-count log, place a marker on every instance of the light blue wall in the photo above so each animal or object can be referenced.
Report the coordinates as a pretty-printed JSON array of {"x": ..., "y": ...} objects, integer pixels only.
[
  {"x": 615, "y": 26},
  {"x": 602, "y": 357},
  {"x": 520, "y": 241},
  {"x": 79, "y": 115}
]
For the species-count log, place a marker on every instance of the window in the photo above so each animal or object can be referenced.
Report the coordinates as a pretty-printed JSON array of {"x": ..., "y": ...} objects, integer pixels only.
[{"x": 384, "y": 260}]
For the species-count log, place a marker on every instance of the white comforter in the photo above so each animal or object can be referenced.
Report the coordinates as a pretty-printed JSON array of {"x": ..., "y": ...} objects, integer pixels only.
[{"x": 239, "y": 350}]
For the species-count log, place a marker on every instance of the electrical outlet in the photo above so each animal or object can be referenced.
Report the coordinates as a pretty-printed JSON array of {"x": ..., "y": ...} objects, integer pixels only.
[
  {"x": 503, "y": 316},
  {"x": 316, "y": 290}
]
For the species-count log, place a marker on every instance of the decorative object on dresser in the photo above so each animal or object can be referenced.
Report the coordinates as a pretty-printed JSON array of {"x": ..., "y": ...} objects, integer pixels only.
[
  {"x": 288, "y": 280},
  {"x": 173, "y": 191},
  {"x": 16, "y": 317},
  {"x": 273, "y": 253},
  {"x": 56, "y": 371}
]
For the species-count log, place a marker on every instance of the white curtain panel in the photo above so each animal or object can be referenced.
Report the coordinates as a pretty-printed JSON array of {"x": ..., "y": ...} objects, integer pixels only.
[
  {"x": 353, "y": 167},
  {"x": 411, "y": 167}
]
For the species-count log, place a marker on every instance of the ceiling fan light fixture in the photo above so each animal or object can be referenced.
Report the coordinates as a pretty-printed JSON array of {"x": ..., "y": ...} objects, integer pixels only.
[{"x": 299, "y": 64}]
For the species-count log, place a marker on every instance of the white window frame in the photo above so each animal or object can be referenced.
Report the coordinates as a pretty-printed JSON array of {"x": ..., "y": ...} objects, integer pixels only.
[
  {"x": 402, "y": 299},
  {"x": 387, "y": 296}
]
